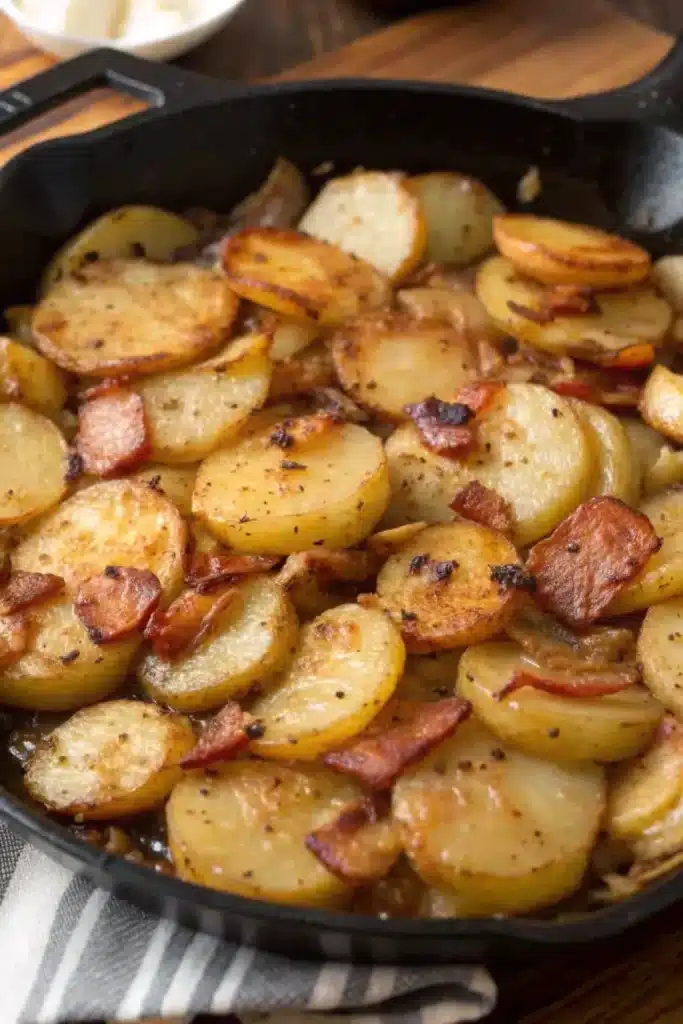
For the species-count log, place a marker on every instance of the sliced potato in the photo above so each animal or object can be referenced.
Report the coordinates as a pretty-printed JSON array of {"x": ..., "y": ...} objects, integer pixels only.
[
  {"x": 26, "y": 376},
  {"x": 429, "y": 676},
  {"x": 347, "y": 666},
  {"x": 459, "y": 212},
  {"x": 302, "y": 277},
  {"x": 33, "y": 464},
  {"x": 175, "y": 482},
  {"x": 662, "y": 576},
  {"x": 138, "y": 232},
  {"x": 118, "y": 317},
  {"x": 625, "y": 330},
  {"x": 481, "y": 820},
  {"x": 542, "y": 482},
  {"x": 212, "y": 818},
  {"x": 110, "y": 760},
  {"x": 373, "y": 215},
  {"x": 247, "y": 644},
  {"x": 667, "y": 274},
  {"x": 615, "y": 469},
  {"x": 439, "y": 589},
  {"x": 660, "y": 652},
  {"x": 557, "y": 252},
  {"x": 62, "y": 669},
  {"x": 660, "y": 465},
  {"x": 645, "y": 791},
  {"x": 311, "y": 368},
  {"x": 662, "y": 403},
  {"x": 117, "y": 522},
  {"x": 609, "y": 728},
  {"x": 335, "y": 494},
  {"x": 388, "y": 362},
  {"x": 289, "y": 337},
  {"x": 192, "y": 412},
  {"x": 388, "y": 542},
  {"x": 458, "y": 307}
]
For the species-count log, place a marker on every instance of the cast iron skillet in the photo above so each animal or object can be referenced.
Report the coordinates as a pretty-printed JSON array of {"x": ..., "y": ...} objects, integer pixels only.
[{"x": 614, "y": 159}]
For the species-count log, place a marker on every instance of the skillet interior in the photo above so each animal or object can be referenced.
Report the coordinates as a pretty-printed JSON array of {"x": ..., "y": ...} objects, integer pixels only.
[{"x": 619, "y": 174}]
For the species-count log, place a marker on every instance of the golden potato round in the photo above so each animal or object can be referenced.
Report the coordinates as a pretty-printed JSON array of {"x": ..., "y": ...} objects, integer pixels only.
[
  {"x": 459, "y": 212},
  {"x": 644, "y": 792},
  {"x": 250, "y": 496},
  {"x": 542, "y": 482},
  {"x": 142, "y": 232},
  {"x": 346, "y": 667},
  {"x": 389, "y": 362},
  {"x": 439, "y": 589},
  {"x": 249, "y": 642},
  {"x": 289, "y": 337},
  {"x": 570, "y": 728},
  {"x": 481, "y": 820},
  {"x": 117, "y": 317},
  {"x": 116, "y": 522},
  {"x": 33, "y": 464},
  {"x": 192, "y": 412},
  {"x": 175, "y": 482},
  {"x": 110, "y": 760},
  {"x": 661, "y": 404},
  {"x": 662, "y": 576},
  {"x": 624, "y": 320},
  {"x": 660, "y": 652},
  {"x": 616, "y": 470},
  {"x": 62, "y": 669},
  {"x": 667, "y": 274},
  {"x": 212, "y": 819},
  {"x": 27, "y": 377}
]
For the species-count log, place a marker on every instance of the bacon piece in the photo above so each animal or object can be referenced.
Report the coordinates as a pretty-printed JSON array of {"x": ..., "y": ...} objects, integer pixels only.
[
  {"x": 361, "y": 845},
  {"x": 570, "y": 300},
  {"x": 589, "y": 558},
  {"x": 574, "y": 387},
  {"x": 595, "y": 684},
  {"x": 223, "y": 737},
  {"x": 403, "y": 733},
  {"x": 182, "y": 627},
  {"x": 616, "y": 389},
  {"x": 211, "y": 569},
  {"x": 559, "y": 649},
  {"x": 112, "y": 433},
  {"x": 24, "y": 589},
  {"x": 117, "y": 603},
  {"x": 631, "y": 358},
  {"x": 104, "y": 387},
  {"x": 485, "y": 506},
  {"x": 479, "y": 395},
  {"x": 443, "y": 425},
  {"x": 14, "y": 637}
]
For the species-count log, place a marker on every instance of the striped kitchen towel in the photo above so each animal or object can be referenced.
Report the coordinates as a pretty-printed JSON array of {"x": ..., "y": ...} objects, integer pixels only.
[{"x": 71, "y": 952}]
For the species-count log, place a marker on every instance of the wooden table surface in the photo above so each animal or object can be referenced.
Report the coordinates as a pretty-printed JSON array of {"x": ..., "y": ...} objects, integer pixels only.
[{"x": 540, "y": 47}]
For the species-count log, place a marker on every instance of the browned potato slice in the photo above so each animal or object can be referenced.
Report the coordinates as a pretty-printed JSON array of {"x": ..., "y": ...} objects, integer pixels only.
[
  {"x": 662, "y": 576},
  {"x": 140, "y": 232},
  {"x": 660, "y": 652},
  {"x": 481, "y": 820},
  {"x": 458, "y": 307},
  {"x": 271, "y": 497},
  {"x": 542, "y": 482},
  {"x": 429, "y": 676},
  {"x": 660, "y": 465},
  {"x": 33, "y": 464},
  {"x": 117, "y": 522},
  {"x": 212, "y": 818},
  {"x": 289, "y": 337},
  {"x": 557, "y": 252},
  {"x": 249, "y": 642},
  {"x": 62, "y": 669},
  {"x": 118, "y": 317},
  {"x": 636, "y": 319},
  {"x": 615, "y": 469},
  {"x": 667, "y": 274},
  {"x": 373, "y": 215},
  {"x": 175, "y": 482},
  {"x": 644, "y": 806},
  {"x": 440, "y": 590},
  {"x": 346, "y": 668},
  {"x": 570, "y": 728},
  {"x": 388, "y": 362},
  {"x": 110, "y": 760},
  {"x": 27, "y": 377},
  {"x": 192, "y": 412},
  {"x": 662, "y": 403},
  {"x": 302, "y": 277},
  {"x": 459, "y": 212}
]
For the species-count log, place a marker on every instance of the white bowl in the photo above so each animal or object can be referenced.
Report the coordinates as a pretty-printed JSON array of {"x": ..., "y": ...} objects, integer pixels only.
[{"x": 164, "y": 47}]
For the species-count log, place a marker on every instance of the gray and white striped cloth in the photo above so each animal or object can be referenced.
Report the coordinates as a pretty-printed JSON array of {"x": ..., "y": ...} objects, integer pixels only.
[{"x": 71, "y": 952}]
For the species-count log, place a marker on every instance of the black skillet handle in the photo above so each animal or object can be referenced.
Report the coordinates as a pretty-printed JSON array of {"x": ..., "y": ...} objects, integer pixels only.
[
  {"x": 658, "y": 96},
  {"x": 160, "y": 85}
]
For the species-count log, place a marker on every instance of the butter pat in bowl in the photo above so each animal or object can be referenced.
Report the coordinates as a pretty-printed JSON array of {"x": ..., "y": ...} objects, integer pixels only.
[{"x": 156, "y": 29}]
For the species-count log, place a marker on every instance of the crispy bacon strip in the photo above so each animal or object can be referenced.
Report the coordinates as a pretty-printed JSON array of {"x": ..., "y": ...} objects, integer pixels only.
[
  {"x": 209, "y": 570},
  {"x": 24, "y": 589},
  {"x": 589, "y": 558},
  {"x": 485, "y": 506},
  {"x": 223, "y": 737},
  {"x": 361, "y": 845},
  {"x": 479, "y": 395},
  {"x": 185, "y": 624},
  {"x": 444, "y": 425},
  {"x": 618, "y": 389},
  {"x": 597, "y": 684},
  {"x": 112, "y": 433},
  {"x": 402, "y": 734},
  {"x": 117, "y": 603},
  {"x": 14, "y": 637},
  {"x": 570, "y": 300}
]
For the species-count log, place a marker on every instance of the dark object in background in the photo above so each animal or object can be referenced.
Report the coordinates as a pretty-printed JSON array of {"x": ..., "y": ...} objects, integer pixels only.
[
  {"x": 666, "y": 15},
  {"x": 416, "y": 6}
]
